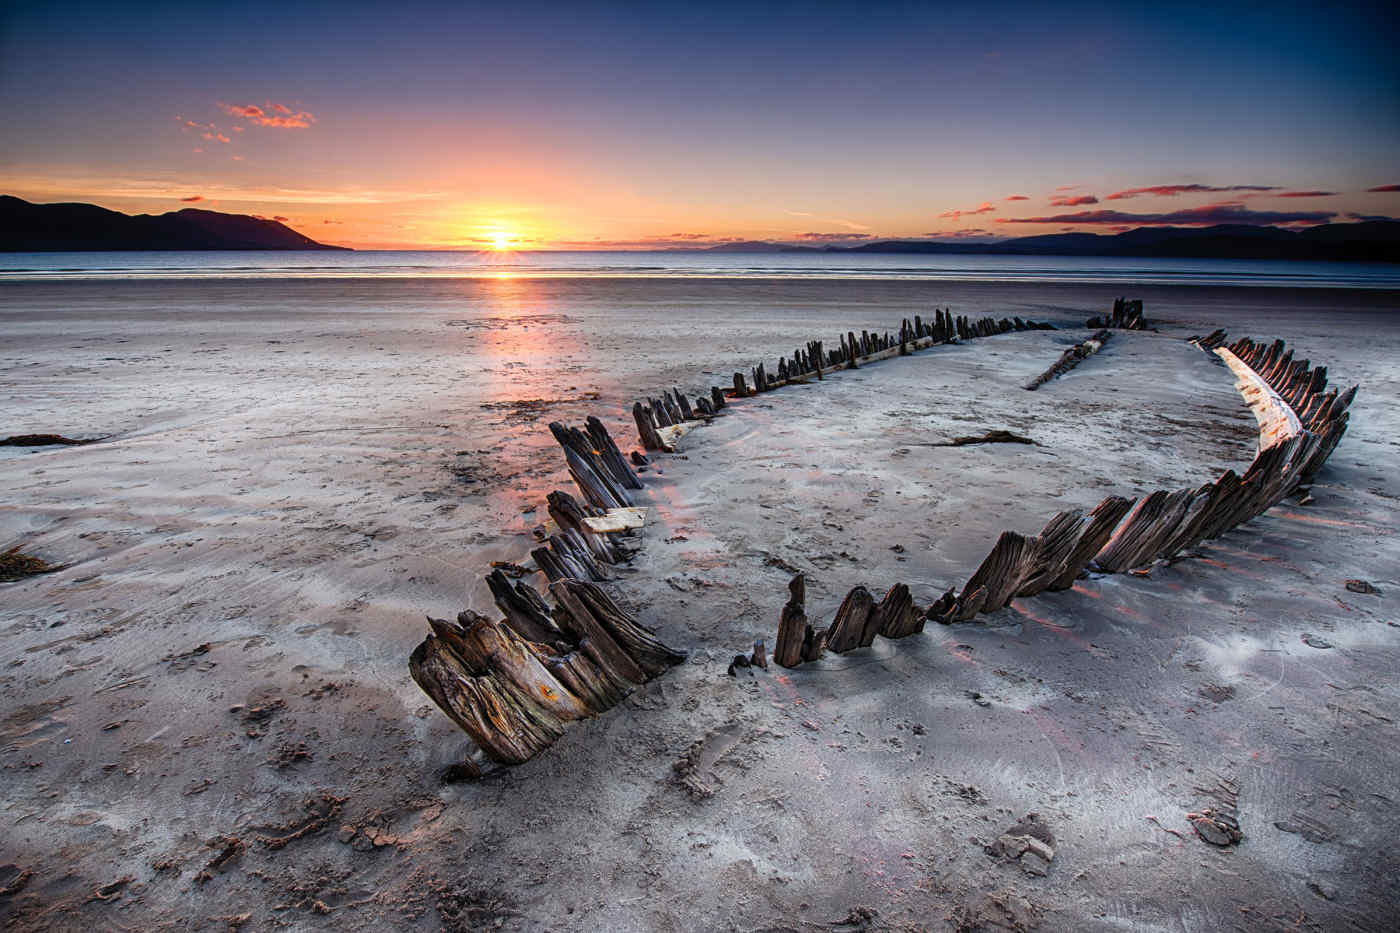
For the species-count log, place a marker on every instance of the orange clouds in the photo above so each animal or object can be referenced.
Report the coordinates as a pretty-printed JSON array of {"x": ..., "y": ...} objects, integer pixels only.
[
  {"x": 1015, "y": 197},
  {"x": 279, "y": 116},
  {"x": 1072, "y": 200},
  {"x": 984, "y": 208},
  {"x": 1171, "y": 191},
  {"x": 192, "y": 198},
  {"x": 1209, "y": 215}
]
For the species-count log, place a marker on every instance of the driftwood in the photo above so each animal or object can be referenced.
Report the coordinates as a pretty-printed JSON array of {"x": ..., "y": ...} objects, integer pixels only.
[
  {"x": 991, "y": 437},
  {"x": 15, "y": 565},
  {"x": 1070, "y": 359},
  {"x": 42, "y": 440}
]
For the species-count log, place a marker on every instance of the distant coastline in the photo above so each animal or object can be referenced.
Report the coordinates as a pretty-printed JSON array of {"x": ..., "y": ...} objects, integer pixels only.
[
  {"x": 49, "y": 228},
  {"x": 1366, "y": 241},
  {"x": 40, "y": 228}
]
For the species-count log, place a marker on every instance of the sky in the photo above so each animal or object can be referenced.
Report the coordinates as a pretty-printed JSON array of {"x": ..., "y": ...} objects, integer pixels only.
[{"x": 600, "y": 126}]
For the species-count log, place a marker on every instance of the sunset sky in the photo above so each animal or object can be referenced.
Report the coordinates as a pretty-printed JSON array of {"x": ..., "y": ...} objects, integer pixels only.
[{"x": 620, "y": 126}]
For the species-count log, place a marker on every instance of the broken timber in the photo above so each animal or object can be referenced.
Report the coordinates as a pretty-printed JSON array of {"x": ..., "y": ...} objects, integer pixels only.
[
  {"x": 1300, "y": 424},
  {"x": 1070, "y": 359}
]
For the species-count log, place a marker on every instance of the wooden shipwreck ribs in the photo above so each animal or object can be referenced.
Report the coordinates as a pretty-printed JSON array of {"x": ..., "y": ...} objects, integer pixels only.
[
  {"x": 1070, "y": 359},
  {"x": 1301, "y": 422},
  {"x": 515, "y": 683},
  {"x": 1127, "y": 315},
  {"x": 661, "y": 420}
]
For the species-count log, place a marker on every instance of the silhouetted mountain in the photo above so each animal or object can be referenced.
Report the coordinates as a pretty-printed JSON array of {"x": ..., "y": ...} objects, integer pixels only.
[
  {"x": 1372, "y": 241},
  {"x": 758, "y": 246},
  {"x": 26, "y": 227}
]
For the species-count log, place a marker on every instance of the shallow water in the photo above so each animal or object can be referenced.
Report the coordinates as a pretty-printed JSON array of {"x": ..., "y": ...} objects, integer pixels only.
[{"x": 1089, "y": 270}]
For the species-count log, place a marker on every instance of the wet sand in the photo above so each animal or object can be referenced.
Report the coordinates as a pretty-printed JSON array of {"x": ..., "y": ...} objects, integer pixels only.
[{"x": 293, "y": 474}]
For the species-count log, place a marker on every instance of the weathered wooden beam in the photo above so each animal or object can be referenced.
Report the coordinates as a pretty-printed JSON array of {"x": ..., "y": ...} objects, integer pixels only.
[
  {"x": 1102, "y": 521},
  {"x": 848, "y": 629},
  {"x": 646, "y": 431},
  {"x": 640, "y": 643},
  {"x": 525, "y": 610},
  {"x": 896, "y": 616},
  {"x": 792, "y": 626},
  {"x": 508, "y": 727},
  {"x": 610, "y": 455},
  {"x": 592, "y": 638}
]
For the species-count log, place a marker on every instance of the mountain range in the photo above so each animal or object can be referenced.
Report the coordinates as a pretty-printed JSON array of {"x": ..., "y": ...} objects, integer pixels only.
[
  {"x": 1367, "y": 241},
  {"x": 26, "y": 227},
  {"x": 41, "y": 228}
]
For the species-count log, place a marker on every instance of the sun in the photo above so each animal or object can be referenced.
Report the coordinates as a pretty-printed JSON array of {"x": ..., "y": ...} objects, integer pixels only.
[{"x": 501, "y": 240}]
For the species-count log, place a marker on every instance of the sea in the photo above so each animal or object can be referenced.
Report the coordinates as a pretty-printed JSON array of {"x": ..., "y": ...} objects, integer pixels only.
[{"x": 693, "y": 264}]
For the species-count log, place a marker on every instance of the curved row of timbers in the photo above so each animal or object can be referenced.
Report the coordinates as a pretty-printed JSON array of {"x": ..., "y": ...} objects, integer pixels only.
[
  {"x": 514, "y": 684},
  {"x": 1301, "y": 422},
  {"x": 661, "y": 420}
]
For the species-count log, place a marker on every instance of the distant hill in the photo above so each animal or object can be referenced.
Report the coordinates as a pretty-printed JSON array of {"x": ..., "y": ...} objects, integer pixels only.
[
  {"x": 34, "y": 228},
  {"x": 759, "y": 246},
  {"x": 1369, "y": 241}
]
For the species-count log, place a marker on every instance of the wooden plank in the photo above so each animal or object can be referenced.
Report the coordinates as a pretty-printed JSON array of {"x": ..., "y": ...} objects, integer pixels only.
[{"x": 618, "y": 520}]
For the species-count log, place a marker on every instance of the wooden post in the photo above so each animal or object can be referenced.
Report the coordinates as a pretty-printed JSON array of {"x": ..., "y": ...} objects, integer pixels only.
[
  {"x": 792, "y": 627},
  {"x": 848, "y": 629},
  {"x": 646, "y": 431}
]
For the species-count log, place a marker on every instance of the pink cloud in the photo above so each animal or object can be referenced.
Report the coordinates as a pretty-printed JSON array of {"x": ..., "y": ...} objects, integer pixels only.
[
  {"x": 1171, "y": 191},
  {"x": 833, "y": 237},
  {"x": 984, "y": 208},
  {"x": 1015, "y": 197},
  {"x": 1206, "y": 216},
  {"x": 1385, "y": 188},
  {"x": 1068, "y": 187},
  {"x": 279, "y": 218},
  {"x": 192, "y": 198},
  {"x": 1073, "y": 200},
  {"x": 1305, "y": 194},
  {"x": 276, "y": 115}
]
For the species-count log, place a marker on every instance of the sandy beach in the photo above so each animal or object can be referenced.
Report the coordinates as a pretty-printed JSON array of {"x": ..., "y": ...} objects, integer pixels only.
[{"x": 288, "y": 475}]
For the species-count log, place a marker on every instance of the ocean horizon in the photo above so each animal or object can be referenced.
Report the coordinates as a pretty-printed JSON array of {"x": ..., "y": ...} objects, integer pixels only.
[{"x": 1096, "y": 270}]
